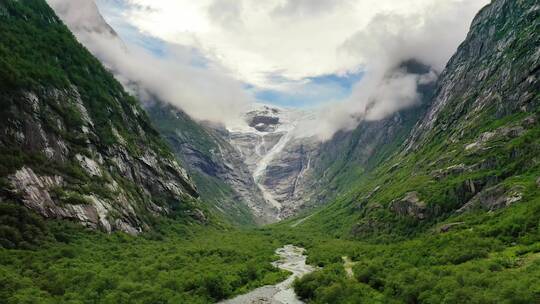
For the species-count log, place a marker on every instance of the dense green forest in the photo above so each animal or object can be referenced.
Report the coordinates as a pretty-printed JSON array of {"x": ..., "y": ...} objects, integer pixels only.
[
  {"x": 173, "y": 264},
  {"x": 452, "y": 218},
  {"x": 490, "y": 258},
  {"x": 484, "y": 258}
]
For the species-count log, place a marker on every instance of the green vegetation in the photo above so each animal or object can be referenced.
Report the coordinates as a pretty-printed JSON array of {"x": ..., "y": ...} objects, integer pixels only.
[
  {"x": 57, "y": 102},
  {"x": 487, "y": 258},
  {"x": 487, "y": 253},
  {"x": 187, "y": 137},
  {"x": 174, "y": 264},
  {"x": 63, "y": 63},
  {"x": 20, "y": 228}
]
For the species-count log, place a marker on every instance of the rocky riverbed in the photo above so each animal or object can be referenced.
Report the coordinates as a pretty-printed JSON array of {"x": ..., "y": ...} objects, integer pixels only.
[{"x": 293, "y": 260}]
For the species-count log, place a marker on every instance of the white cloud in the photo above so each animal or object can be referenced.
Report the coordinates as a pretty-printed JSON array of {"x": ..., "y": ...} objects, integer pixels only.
[
  {"x": 296, "y": 38},
  {"x": 204, "y": 91},
  {"x": 429, "y": 35},
  {"x": 279, "y": 44}
]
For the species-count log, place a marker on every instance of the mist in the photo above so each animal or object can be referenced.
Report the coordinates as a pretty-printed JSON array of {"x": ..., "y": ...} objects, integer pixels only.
[
  {"x": 430, "y": 37},
  {"x": 203, "y": 75},
  {"x": 177, "y": 75}
]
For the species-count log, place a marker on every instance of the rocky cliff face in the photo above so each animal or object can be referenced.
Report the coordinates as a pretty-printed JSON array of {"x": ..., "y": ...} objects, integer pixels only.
[
  {"x": 74, "y": 145},
  {"x": 337, "y": 164},
  {"x": 278, "y": 161},
  {"x": 297, "y": 173},
  {"x": 219, "y": 169},
  {"x": 477, "y": 146},
  {"x": 79, "y": 23},
  {"x": 223, "y": 182},
  {"x": 457, "y": 149},
  {"x": 494, "y": 72}
]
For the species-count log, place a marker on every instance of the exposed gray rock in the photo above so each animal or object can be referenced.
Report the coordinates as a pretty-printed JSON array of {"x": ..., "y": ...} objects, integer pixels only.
[
  {"x": 279, "y": 163},
  {"x": 529, "y": 122},
  {"x": 96, "y": 213},
  {"x": 88, "y": 164},
  {"x": 37, "y": 128},
  {"x": 222, "y": 170},
  {"x": 452, "y": 170},
  {"x": 286, "y": 175},
  {"x": 488, "y": 55},
  {"x": 265, "y": 119},
  {"x": 494, "y": 198},
  {"x": 199, "y": 216},
  {"x": 410, "y": 205},
  {"x": 447, "y": 227}
]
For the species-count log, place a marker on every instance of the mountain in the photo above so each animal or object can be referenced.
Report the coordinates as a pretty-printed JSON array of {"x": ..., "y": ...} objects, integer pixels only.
[
  {"x": 262, "y": 165},
  {"x": 74, "y": 144},
  {"x": 450, "y": 214},
  {"x": 82, "y": 17},
  {"x": 217, "y": 168},
  {"x": 268, "y": 146},
  {"x": 475, "y": 148},
  {"x": 437, "y": 203},
  {"x": 222, "y": 181},
  {"x": 339, "y": 162},
  {"x": 296, "y": 173}
]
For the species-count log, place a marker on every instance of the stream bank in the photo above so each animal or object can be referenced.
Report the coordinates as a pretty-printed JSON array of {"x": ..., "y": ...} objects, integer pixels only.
[{"x": 293, "y": 260}]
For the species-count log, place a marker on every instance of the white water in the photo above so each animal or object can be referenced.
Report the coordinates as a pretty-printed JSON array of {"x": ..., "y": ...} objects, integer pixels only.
[
  {"x": 269, "y": 157},
  {"x": 263, "y": 155},
  {"x": 293, "y": 260},
  {"x": 262, "y": 165}
]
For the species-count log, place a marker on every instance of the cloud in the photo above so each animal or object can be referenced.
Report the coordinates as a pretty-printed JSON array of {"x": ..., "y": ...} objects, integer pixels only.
[
  {"x": 254, "y": 39},
  {"x": 429, "y": 36},
  {"x": 176, "y": 74},
  {"x": 81, "y": 15},
  {"x": 226, "y": 13},
  {"x": 295, "y": 8},
  {"x": 208, "y": 56}
]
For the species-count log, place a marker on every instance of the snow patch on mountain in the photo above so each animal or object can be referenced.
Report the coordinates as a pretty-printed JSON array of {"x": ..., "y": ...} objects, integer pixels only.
[{"x": 263, "y": 138}]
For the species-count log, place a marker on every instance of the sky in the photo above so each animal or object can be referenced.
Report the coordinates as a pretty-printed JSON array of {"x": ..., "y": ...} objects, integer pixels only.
[{"x": 212, "y": 58}]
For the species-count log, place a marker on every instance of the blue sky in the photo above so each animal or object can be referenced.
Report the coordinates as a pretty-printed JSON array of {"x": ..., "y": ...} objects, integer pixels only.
[{"x": 312, "y": 92}]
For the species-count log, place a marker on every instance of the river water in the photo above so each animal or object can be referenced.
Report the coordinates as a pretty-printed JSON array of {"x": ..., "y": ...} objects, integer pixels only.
[{"x": 293, "y": 260}]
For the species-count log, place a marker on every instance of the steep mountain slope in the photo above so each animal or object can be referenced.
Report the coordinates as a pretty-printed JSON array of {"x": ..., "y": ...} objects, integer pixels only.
[
  {"x": 446, "y": 213},
  {"x": 340, "y": 161},
  {"x": 85, "y": 23},
  {"x": 452, "y": 216},
  {"x": 275, "y": 158},
  {"x": 74, "y": 144},
  {"x": 224, "y": 184},
  {"x": 477, "y": 146},
  {"x": 217, "y": 168}
]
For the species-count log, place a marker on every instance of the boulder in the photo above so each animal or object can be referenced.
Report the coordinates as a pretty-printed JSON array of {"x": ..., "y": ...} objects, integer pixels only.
[
  {"x": 199, "y": 216},
  {"x": 447, "y": 227}
]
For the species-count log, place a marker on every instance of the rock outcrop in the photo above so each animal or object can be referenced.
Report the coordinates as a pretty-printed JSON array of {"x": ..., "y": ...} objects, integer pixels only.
[
  {"x": 223, "y": 174},
  {"x": 74, "y": 144},
  {"x": 496, "y": 68},
  {"x": 410, "y": 205},
  {"x": 279, "y": 162},
  {"x": 494, "y": 198}
]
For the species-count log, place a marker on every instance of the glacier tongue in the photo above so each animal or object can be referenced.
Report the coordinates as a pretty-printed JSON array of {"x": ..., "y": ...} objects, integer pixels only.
[{"x": 264, "y": 142}]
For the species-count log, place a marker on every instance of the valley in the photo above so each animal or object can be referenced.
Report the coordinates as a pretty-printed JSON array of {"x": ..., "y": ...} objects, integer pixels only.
[
  {"x": 110, "y": 192},
  {"x": 291, "y": 260}
]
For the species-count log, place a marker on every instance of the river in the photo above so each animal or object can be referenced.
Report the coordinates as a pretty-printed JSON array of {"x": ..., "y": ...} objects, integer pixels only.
[{"x": 293, "y": 260}]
